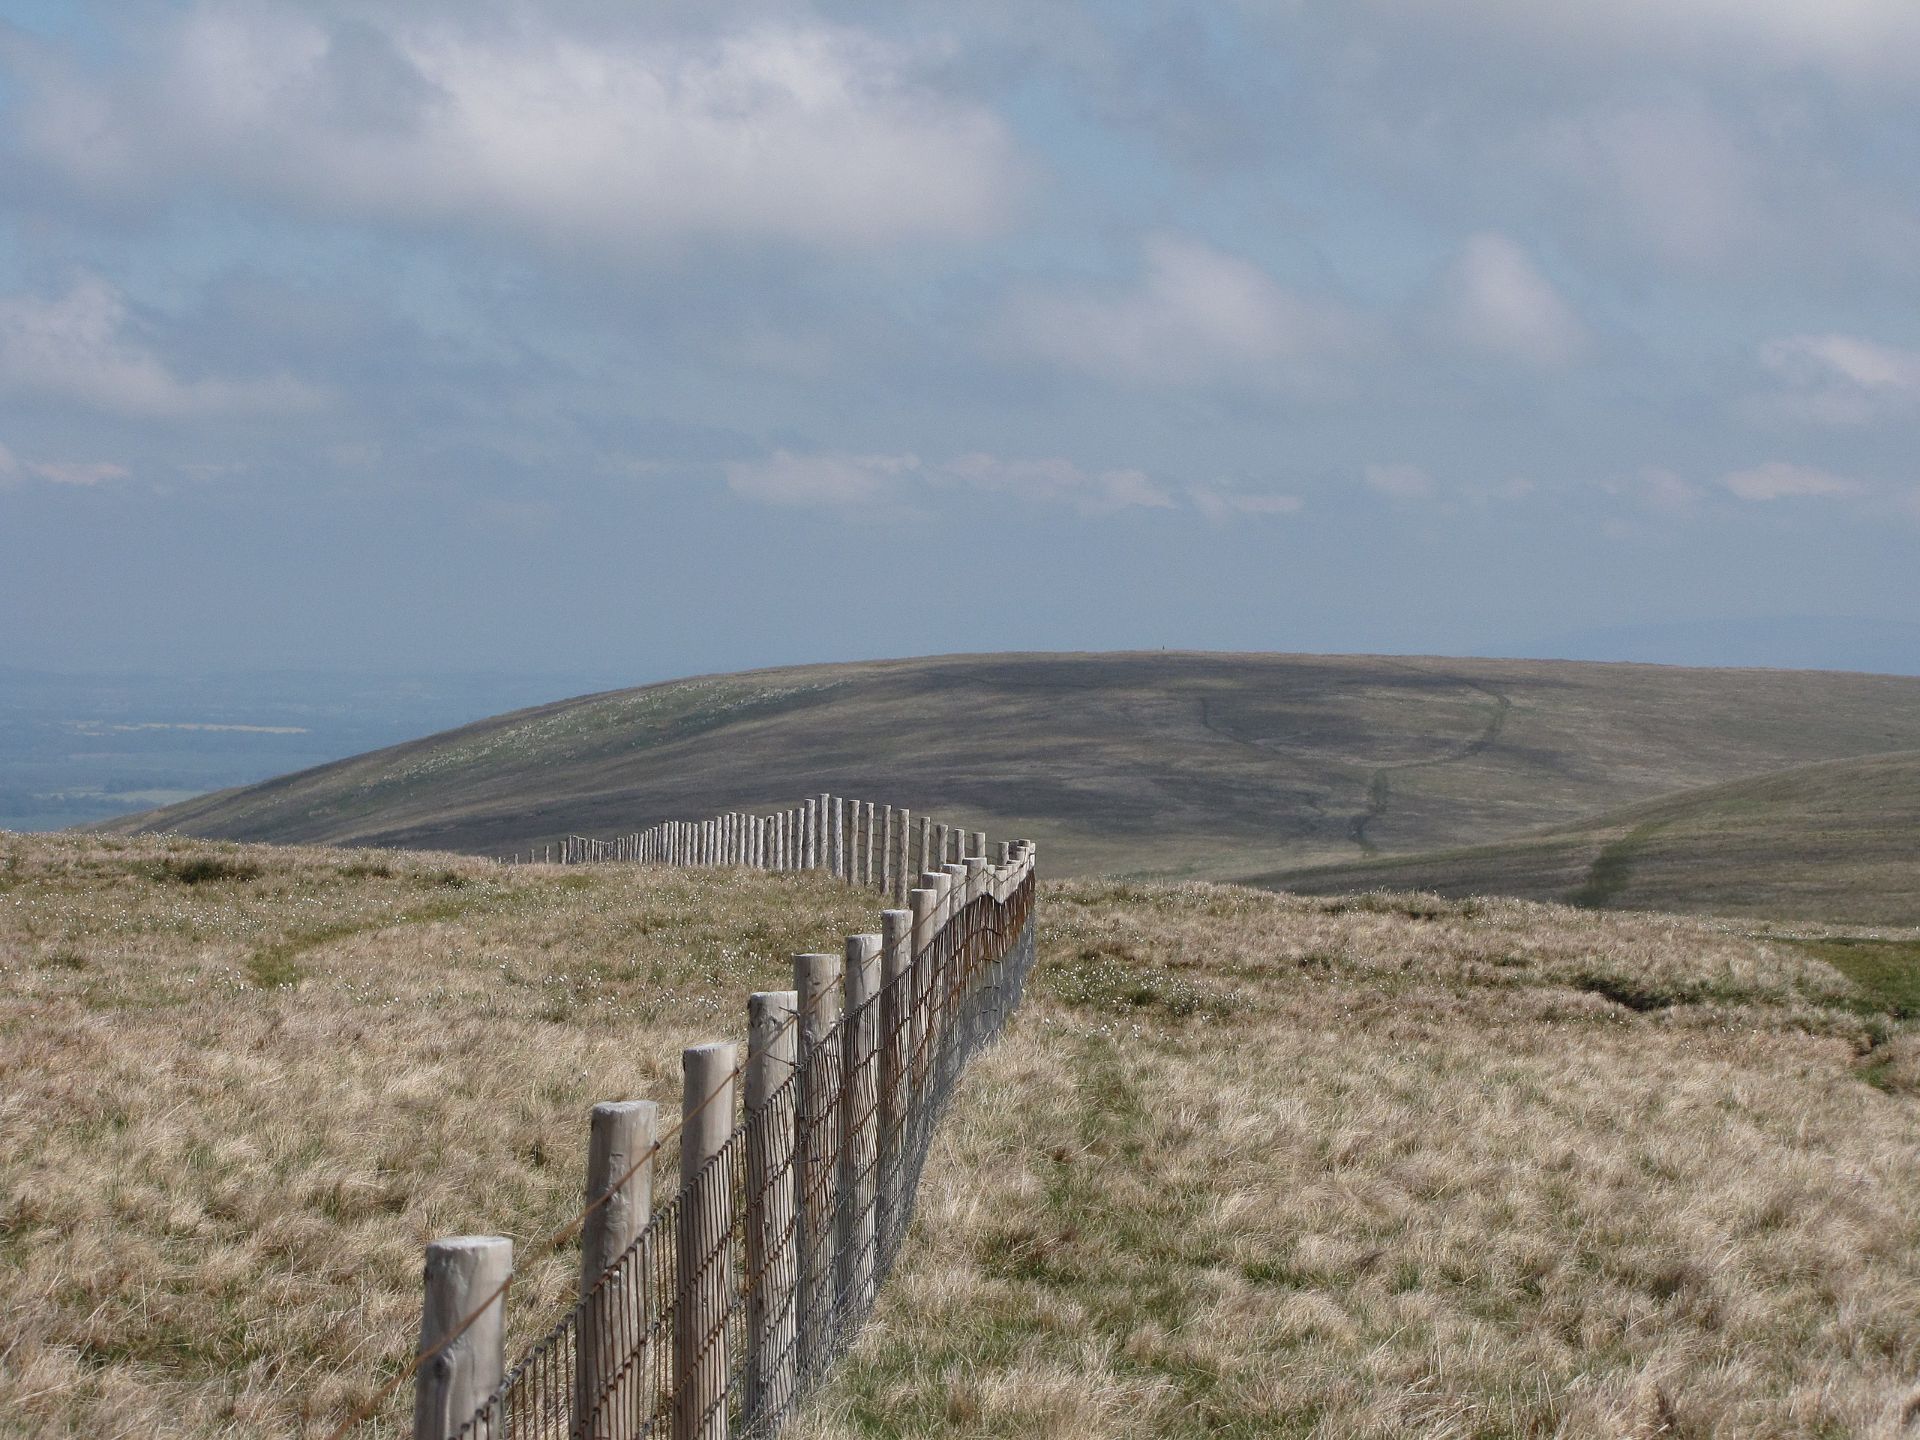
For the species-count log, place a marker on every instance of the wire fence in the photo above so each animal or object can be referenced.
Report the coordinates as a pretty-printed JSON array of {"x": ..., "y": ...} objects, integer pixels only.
[
  {"x": 734, "y": 1296},
  {"x": 857, "y": 840}
]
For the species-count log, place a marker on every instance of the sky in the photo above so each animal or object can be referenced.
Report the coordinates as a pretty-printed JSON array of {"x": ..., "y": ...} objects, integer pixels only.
[{"x": 671, "y": 338}]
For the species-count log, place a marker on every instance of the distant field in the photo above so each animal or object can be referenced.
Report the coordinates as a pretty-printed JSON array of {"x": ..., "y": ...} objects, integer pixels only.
[
  {"x": 1246, "y": 1164},
  {"x": 1838, "y": 841},
  {"x": 1156, "y": 764}
]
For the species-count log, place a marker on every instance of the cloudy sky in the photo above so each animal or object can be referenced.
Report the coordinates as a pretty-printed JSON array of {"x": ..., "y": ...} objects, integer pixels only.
[{"x": 662, "y": 338}]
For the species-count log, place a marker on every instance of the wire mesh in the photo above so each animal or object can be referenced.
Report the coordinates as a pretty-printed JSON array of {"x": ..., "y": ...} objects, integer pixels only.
[{"x": 743, "y": 1288}]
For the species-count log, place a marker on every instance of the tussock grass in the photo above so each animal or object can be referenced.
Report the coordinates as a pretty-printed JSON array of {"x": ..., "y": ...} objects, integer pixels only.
[
  {"x": 244, "y": 1086},
  {"x": 1408, "y": 1166},
  {"x": 1246, "y": 1164}
]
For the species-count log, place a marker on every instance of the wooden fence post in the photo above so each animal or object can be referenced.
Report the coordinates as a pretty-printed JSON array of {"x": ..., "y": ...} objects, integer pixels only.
[
  {"x": 462, "y": 1272},
  {"x": 925, "y": 905},
  {"x": 773, "y": 1052},
  {"x": 893, "y": 1068},
  {"x": 817, "y": 980},
  {"x": 609, "y": 1398},
  {"x": 859, "y": 1093},
  {"x": 869, "y": 868},
  {"x": 704, "y": 1279}
]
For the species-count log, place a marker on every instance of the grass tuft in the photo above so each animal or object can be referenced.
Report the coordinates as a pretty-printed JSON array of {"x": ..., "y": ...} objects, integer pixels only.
[{"x": 204, "y": 870}]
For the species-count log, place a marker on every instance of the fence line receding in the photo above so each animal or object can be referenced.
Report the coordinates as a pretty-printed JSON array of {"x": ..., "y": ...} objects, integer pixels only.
[{"x": 712, "y": 1313}]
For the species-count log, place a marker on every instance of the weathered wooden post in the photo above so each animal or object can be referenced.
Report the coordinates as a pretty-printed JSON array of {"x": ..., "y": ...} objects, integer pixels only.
[
  {"x": 869, "y": 870},
  {"x": 817, "y": 980},
  {"x": 773, "y": 1053},
  {"x": 924, "y": 903},
  {"x": 979, "y": 845},
  {"x": 902, "y": 847},
  {"x": 464, "y": 1273},
  {"x": 952, "y": 956},
  {"x": 704, "y": 1282},
  {"x": 610, "y": 1387},
  {"x": 859, "y": 1032},
  {"x": 939, "y": 847},
  {"x": 892, "y": 1072},
  {"x": 885, "y": 873},
  {"x": 837, "y": 839}
]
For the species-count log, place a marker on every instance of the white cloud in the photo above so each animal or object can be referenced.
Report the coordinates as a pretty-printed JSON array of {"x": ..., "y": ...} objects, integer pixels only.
[
  {"x": 79, "y": 472},
  {"x": 785, "y": 478},
  {"x": 1402, "y": 481},
  {"x": 1494, "y": 299},
  {"x": 835, "y": 479},
  {"x": 1221, "y": 506},
  {"x": 1092, "y": 491},
  {"x": 1664, "y": 491},
  {"x": 1840, "y": 379},
  {"x": 1848, "y": 38},
  {"x": 58, "y": 472},
  {"x": 78, "y": 347},
  {"x": 1196, "y": 316},
  {"x": 793, "y": 130},
  {"x": 1779, "y": 480},
  {"x": 1675, "y": 176}
]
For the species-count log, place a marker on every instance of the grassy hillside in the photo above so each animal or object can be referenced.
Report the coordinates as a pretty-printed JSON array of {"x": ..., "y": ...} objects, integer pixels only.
[
  {"x": 1255, "y": 1165},
  {"x": 1147, "y": 764},
  {"x": 1834, "y": 841},
  {"x": 244, "y": 1086},
  {"x": 1246, "y": 1163}
]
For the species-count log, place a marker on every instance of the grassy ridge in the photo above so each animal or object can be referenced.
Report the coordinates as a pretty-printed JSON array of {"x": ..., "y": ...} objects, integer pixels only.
[
  {"x": 1162, "y": 764},
  {"x": 1831, "y": 841},
  {"x": 244, "y": 1086},
  {"x": 1255, "y": 1165},
  {"x": 1246, "y": 1164}
]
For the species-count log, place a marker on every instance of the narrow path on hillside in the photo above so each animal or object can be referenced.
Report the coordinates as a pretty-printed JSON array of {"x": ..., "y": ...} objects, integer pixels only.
[{"x": 1380, "y": 786}]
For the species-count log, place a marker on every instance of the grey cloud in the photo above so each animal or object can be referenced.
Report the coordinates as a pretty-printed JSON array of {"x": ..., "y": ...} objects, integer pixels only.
[
  {"x": 1193, "y": 316},
  {"x": 81, "y": 347},
  {"x": 785, "y": 130}
]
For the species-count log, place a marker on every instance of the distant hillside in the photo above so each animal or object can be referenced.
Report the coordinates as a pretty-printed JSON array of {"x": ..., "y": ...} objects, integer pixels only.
[
  {"x": 1835, "y": 841},
  {"x": 1146, "y": 763}
]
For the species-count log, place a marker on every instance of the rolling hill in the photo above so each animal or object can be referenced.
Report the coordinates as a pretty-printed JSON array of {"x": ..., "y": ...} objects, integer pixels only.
[
  {"x": 1833, "y": 841},
  {"x": 1168, "y": 764}
]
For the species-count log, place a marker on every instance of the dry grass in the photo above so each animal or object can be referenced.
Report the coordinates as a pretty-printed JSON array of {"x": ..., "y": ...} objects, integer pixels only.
[
  {"x": 243, "y": 1087},
  {"x": 1252, "y": 1165},
  {"x": 1246, "y": 1165}
]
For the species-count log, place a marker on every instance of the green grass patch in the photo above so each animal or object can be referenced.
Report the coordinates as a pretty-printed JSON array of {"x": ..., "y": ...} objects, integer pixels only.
[
  {"x": 1109, "y": 977},
  {"x": 1887, "y": 970}
]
